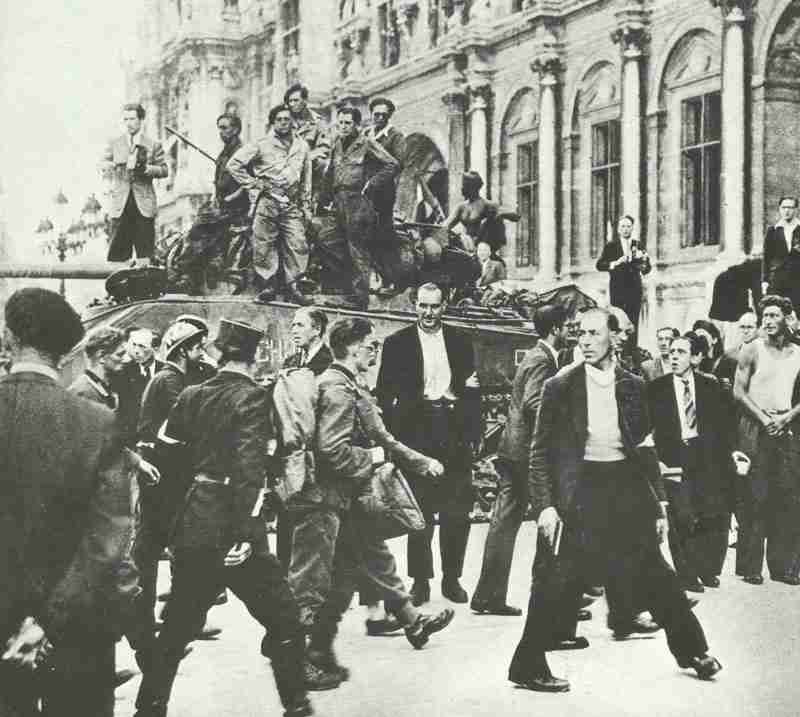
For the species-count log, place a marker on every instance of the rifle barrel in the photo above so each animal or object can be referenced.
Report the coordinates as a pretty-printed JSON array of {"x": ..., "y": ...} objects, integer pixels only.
[{"x": 186, "y": 140}]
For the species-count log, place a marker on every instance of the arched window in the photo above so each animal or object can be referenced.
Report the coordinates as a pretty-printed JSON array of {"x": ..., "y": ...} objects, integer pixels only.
[
  {"x": 690, "y": 95},
  {"x": 519, "y": 148}
]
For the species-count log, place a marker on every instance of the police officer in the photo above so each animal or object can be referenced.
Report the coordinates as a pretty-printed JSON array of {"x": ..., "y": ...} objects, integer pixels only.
[{"x": 222, "y": 427}]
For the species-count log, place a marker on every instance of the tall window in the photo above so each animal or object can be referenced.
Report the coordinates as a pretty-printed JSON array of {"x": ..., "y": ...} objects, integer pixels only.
[
  {"x": 701, "y": 166},
  {"x": 528, "y": 203},
  {"x": 605, "y": 181},
  {"x": 290, "y": 16},
  {"x": 390, "y": 34}
]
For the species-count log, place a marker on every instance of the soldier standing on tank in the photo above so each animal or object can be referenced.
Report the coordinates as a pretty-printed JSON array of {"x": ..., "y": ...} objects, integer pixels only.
[
  {"x": 358, "y": 171},
  {"x": 223, "y": 428},
  {"x": 310, "y": 127}
]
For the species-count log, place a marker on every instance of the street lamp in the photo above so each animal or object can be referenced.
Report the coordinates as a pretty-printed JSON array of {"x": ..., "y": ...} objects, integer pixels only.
[{"x": 69, "y": 236}]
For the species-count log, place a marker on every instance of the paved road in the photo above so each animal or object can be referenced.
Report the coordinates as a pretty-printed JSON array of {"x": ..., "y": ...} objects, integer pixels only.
[{"x": 755, "y": 632}]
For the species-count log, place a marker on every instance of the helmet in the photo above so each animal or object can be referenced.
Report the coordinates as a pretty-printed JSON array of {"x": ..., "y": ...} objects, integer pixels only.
[
  {"x": 194, "y": 320},
  {"x": 177, "y": 335}
]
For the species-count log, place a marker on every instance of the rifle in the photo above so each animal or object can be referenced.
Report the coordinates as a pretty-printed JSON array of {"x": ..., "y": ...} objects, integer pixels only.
[{"x": 186, "y": 140}]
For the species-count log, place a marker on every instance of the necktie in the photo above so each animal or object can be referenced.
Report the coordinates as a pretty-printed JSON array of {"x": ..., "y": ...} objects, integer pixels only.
[{"x": 689, "y": 408}]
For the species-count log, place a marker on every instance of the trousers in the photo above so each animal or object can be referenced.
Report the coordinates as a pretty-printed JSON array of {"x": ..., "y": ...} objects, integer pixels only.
[
  {"x": 332, "y": 558},
  {"x": 609, "y": 539},
  {"x": 357, "y": 221},
  {"x": 200, "y": 575},
  {"x": 280, "y": 250},
  {"x": 507, "y": 517},
  {"x": 131, "y": 230}
]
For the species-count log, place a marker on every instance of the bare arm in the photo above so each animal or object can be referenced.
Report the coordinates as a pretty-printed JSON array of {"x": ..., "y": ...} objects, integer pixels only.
[{"x": 748, "y": 363}]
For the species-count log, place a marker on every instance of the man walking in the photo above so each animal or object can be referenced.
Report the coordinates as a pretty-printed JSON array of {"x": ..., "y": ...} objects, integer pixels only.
[
  {"x": 131, "y": 162},
  {"x": 332, "y": 553},
  {"x": 278, "y": 168},
  {"x": 65, "y": 524},
  {"x": 539, "y": 364},
  {"x": 428, "y": 391},
  {"x": 359, "y": 171},
  {"x": 691, "y": 429},
  {"x": 765, "y": 387},
  {"x": 589, "y": 468},
  {"x": 220, "y": 540}
]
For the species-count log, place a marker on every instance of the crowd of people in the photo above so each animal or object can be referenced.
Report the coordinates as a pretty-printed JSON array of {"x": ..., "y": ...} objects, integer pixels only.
[{"x": 303, "y": 197}]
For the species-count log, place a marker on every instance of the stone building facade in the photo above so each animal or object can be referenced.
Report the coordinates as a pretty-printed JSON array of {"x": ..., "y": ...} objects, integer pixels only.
[{"x": 681, "y": 113}]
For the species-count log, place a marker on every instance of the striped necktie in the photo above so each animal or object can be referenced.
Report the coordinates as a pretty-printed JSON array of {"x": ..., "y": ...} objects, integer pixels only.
[{"x": 689, "y": 408}]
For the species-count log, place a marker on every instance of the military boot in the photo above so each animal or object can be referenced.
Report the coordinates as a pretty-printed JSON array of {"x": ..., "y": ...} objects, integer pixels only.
[{"x": 320, "y": 650}]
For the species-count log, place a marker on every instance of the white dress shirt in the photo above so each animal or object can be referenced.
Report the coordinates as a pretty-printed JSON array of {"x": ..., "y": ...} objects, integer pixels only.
[
  {"x": 788, "y": 230},
  {"x": 436, "y": 366},
  {"x": 680, "y": 389}
]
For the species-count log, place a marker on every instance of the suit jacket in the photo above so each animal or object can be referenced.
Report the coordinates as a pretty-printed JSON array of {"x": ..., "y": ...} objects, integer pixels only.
[
  {"x": 364, "y": 166},
  {"x": 557, "y": 450},
  {"x": 710, "y": 485},
  {"x": 92, "y": 391},
  {"x": 65, "y": 513},
  {"x": 318, "y": 363},
  {"x": 625, "y": 281},
  {"x": 776, "y": 255},
  {"x": 526, "y": 392},
  {"x": 140, "y": 181},
  {"x": 394, "y": 142},
  {"x": 349, "y": 423},
  {"x": 401, "y": 383},
  {"x": 494, "y": 270},
  {"x": 653, "y": 368}
]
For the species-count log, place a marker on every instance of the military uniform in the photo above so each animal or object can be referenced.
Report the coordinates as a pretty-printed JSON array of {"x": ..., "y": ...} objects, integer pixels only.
[
  {"x": 310, "y": 127},
  {"x": 222, "y": 427},
  {"x": 359, "y": 170}
]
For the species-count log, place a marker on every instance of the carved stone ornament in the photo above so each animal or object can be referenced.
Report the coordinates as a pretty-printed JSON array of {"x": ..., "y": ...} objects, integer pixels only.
[
  {"x": 631, "y": 32},
  {"x": 547, "y": 56},
  {"x": 735, "y": 10},
  {"x": 783, "y": 63}
]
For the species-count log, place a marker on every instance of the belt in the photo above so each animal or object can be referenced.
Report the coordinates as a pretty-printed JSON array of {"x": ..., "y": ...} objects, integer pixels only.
[
  {"x": 203, "y": 478},
  {"x": 440, "y": 403}
]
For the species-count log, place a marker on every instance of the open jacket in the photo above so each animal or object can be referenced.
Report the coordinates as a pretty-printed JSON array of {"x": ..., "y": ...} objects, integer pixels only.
[
  {"x": 349, "y": 423},
  {"x": 557, "y": 450},
  {"x": 114, "y": 167}
]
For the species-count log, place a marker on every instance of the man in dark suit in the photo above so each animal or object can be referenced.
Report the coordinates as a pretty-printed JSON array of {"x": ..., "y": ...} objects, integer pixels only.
[
  {"x": 692, "y": 432},
  {"x": 428, "y": 391},
  {"x": 66, "y": 523},
  {"x": 626, "y": 262},
  {"x": 131, "y": 162},
  {"x": 308, "y": 336},
  {"x": 781, "y": 263},
  {"x": 539, "y": 364},
  {"x": 591, "y": 467},
  {"x": 222, "y": 428}
]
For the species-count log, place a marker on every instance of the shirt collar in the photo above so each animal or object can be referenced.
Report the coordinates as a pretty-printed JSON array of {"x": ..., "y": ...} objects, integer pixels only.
[
  {"x": 381, "y": 133},
  {"x": 346, "y": 371},
  {"x": 34, "y": 367},
  {"x": 99, "y": 384},
  {"x": 550, "y": 350},
  {"x": 308, "y": 355},
  {"x": 680, "y": 381},
  {"x": 423, "y": 335},
  {"x": 788, "y": 227},
  {"x": 136, "y": 139}
]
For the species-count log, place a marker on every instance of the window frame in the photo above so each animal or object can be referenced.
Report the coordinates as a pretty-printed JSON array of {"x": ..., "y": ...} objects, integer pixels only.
[
  {"x": 532, "y": 241},
  {"x": 596, "y": 243}
]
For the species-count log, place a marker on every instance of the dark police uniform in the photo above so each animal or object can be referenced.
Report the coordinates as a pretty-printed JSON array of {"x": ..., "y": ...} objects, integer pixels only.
[{"x": 223, "y": 426}]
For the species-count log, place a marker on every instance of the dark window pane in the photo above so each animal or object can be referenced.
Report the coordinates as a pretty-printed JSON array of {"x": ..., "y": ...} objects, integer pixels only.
[
  {"x": 523, "y": 163},
  {"x": 523, "y": 226},
  {"x": 599, "y": 144},
  {"x": 712, "y": 117},
  {"x": 712, "y": 170},
  {"x": 534, "y": 161},
  {"x": 613, "y": 141},
  {"x": 598, "y": 218},
  {"x": 534, "y": 226},
  {"x": 692, "y": 121},
  {"x": 692, "y": 197}
]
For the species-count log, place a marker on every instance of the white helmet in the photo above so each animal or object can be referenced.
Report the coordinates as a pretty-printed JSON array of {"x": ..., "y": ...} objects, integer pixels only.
[{"x": 177, "y": 335}]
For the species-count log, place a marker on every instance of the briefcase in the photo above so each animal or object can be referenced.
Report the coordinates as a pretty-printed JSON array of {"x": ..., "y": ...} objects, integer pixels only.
[{"x": 386, "y": 507}]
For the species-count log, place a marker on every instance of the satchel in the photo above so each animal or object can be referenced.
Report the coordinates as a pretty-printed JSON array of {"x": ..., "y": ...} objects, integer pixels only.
[{"x": 386, "y": 506}]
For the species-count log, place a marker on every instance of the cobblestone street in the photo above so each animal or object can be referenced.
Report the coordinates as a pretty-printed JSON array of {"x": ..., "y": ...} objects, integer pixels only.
[{"x": 462, "y": 671}]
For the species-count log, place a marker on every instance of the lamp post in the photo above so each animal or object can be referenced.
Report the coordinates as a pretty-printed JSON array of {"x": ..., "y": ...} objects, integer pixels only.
[{"x": 62, "y": 236}]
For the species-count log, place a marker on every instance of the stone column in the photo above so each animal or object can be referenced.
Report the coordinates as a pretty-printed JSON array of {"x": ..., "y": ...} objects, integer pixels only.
[
  {"x": 455, "y": 100},
  {"x": 734, "y": 13},
  {"x": 547, "y": 67},
  {"x": 479, "y": 136},
  {"x": 631, "y": 34}
]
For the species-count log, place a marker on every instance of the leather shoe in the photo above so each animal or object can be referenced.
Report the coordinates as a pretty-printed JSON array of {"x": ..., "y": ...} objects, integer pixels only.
[
  {"x": 570, "y": 643},
  {"x": 386, "y": 626},
  {"x": 710, "y": 581},
  {"x": 706, "y": 666},
  {"x": 541, "y": 683},
  {"x": 452, "y": 590},
  {"x": 639, "y": 625},
  {"x": 754, "y": 579},
  {"x": 788, "y": 579},
  {"x": 420, "y": 592},
  {"x": 584, "y": 615},
  {"x": 425, "y": 625},
  {"x": 316, "y": 679},
  {"x": 487, "y": 608}
]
